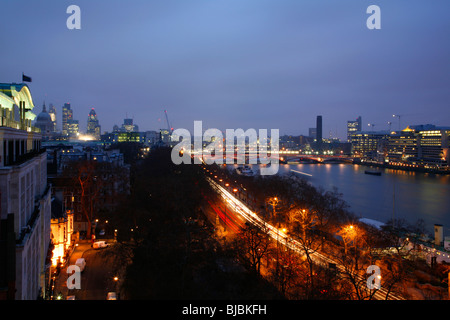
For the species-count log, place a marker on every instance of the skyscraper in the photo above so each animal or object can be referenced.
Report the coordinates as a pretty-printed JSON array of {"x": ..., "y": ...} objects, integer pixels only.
[
  {"x": 93, "y": 126},
  {"x": 353, "y": 126},
  {"x": 72, "y": 128},
  {"x": 67, "y": 114},
  {"x": 319, "y": 130},
  {"x": 52, "y": 113}
]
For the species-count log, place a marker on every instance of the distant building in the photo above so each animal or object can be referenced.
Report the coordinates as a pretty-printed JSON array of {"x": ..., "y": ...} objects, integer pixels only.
[
  {"x": 312, "y": 132},
  {"x": 93, "y": 126},
  {"x": 73, "y": 129},
  {"x": 319, "y": 137},
  {"x": 67, "y": 115},
  {"x": 423, "y": 145},
  {"x": 128, "y": 126},
  {"x": 45, "y": 124},
  {"x": 369, "y": 145},
  {"x": 115, "y": 137},
  {"x": 353, "y": 126},
  {"x": 319, "y": 129},
  {"x": 165, "y": 136},
  {"x": 52, "y": 113},
  {"x": 25, "y": 203},
  {"x": 151, "y": 138}
]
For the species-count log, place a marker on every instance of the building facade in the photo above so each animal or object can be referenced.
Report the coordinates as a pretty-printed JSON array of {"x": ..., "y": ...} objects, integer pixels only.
[
  {"x": 420, "y": 146},
  {"x": 353, "y": 126},
  {"x": 93, "y": 126},
  {"x": 25, "y": 209},
  {"x": 369, "y": 145},
  {"x": 67, "y": 114}
]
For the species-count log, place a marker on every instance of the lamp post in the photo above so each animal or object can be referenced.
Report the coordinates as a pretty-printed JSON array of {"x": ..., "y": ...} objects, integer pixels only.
[{"x": 348, "y": 232}]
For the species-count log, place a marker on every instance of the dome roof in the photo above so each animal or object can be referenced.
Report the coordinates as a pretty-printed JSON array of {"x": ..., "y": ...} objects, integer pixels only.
[
  {"x": 43, "y": 117},
  {"x": 44, "y": 121}
]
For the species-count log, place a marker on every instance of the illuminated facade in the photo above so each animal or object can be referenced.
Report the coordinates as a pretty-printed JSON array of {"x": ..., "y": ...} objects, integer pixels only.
[
  {"x": 424, "y": 146},
  {"x": 61, "y": 232},
  {"x": 25, "y": 198},
  {"x": 67, "y": 115},
  {"x": 352, "y": 127},
  {"x": 73, "y": 129},
  {"x": 93, "y": 126},
  {"x": 369, "y": 145},
  {"x": 52, "y": 113}
]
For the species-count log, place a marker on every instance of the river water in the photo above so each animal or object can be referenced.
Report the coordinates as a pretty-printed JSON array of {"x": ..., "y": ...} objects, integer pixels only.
[{"x": 400, "y": 194}]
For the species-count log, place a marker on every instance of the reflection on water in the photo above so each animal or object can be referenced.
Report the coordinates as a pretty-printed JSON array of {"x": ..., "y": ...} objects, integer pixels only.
[{"x": 400, "y": 194}]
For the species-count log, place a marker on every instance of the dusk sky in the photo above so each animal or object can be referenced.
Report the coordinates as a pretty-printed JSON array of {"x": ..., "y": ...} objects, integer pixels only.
[{"x": 263, "y": 64}]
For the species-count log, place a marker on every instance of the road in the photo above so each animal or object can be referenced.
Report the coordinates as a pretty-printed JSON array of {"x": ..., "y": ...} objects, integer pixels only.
[
  {"x": 96, "y": 279},
  {"x": 282, "y": 238}
]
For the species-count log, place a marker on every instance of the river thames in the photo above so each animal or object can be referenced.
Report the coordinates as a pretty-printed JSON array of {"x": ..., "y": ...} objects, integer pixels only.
[{"x": 396, "y": 193}]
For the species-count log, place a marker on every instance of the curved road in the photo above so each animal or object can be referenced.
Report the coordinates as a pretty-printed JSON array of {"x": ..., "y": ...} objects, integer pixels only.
[{"x": 281, "y": 237}]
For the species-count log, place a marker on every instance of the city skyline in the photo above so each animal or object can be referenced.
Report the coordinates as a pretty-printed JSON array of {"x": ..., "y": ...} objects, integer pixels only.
[{"x": 236, "y": 65}]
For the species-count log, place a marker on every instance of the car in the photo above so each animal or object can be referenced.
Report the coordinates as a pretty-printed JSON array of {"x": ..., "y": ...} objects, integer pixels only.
[
  {"x": 99, "y": 244},
  {"x": 81, "y": 263},
  {"x": 111, "y": 296}
]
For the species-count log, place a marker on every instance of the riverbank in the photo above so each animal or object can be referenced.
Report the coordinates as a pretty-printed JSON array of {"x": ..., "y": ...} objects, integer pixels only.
[{"x": 403, "y": 167}]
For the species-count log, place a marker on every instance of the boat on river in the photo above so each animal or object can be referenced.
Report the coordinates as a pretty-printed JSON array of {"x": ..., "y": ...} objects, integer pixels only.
[{"x": 374, "y": 173}]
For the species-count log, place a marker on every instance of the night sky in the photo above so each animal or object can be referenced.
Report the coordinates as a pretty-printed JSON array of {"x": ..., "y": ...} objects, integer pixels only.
[{"x": 273, "y": 64}]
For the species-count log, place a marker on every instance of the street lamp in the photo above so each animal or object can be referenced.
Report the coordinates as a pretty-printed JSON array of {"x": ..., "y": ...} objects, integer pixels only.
[{"x": 348, "y": 233}]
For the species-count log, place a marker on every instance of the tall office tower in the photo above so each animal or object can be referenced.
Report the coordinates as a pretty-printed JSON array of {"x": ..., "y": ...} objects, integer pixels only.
[
  {"x": 319, "y": 129},
  {"x": 25, "y": 210},
  {"x": 93, "y": 126},
  {"x": 67, "y": 114},
  {"x": 352, "y": 127},
  {"x": 72, "y": 128},
  {"x": 52, "y": 113}
]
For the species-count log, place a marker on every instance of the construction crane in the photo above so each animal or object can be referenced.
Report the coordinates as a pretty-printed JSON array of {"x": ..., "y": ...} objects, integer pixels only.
[
  {"x": 398, "y": 116},
  {"x": 168, "y": 125}
]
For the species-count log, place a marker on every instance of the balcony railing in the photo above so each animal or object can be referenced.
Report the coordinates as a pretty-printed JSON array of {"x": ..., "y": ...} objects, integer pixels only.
[{"x": 26, "y": 125}]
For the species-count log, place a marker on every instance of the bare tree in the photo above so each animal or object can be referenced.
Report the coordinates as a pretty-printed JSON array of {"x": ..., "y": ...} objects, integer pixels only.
[{"x": 254, "y": 244}]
